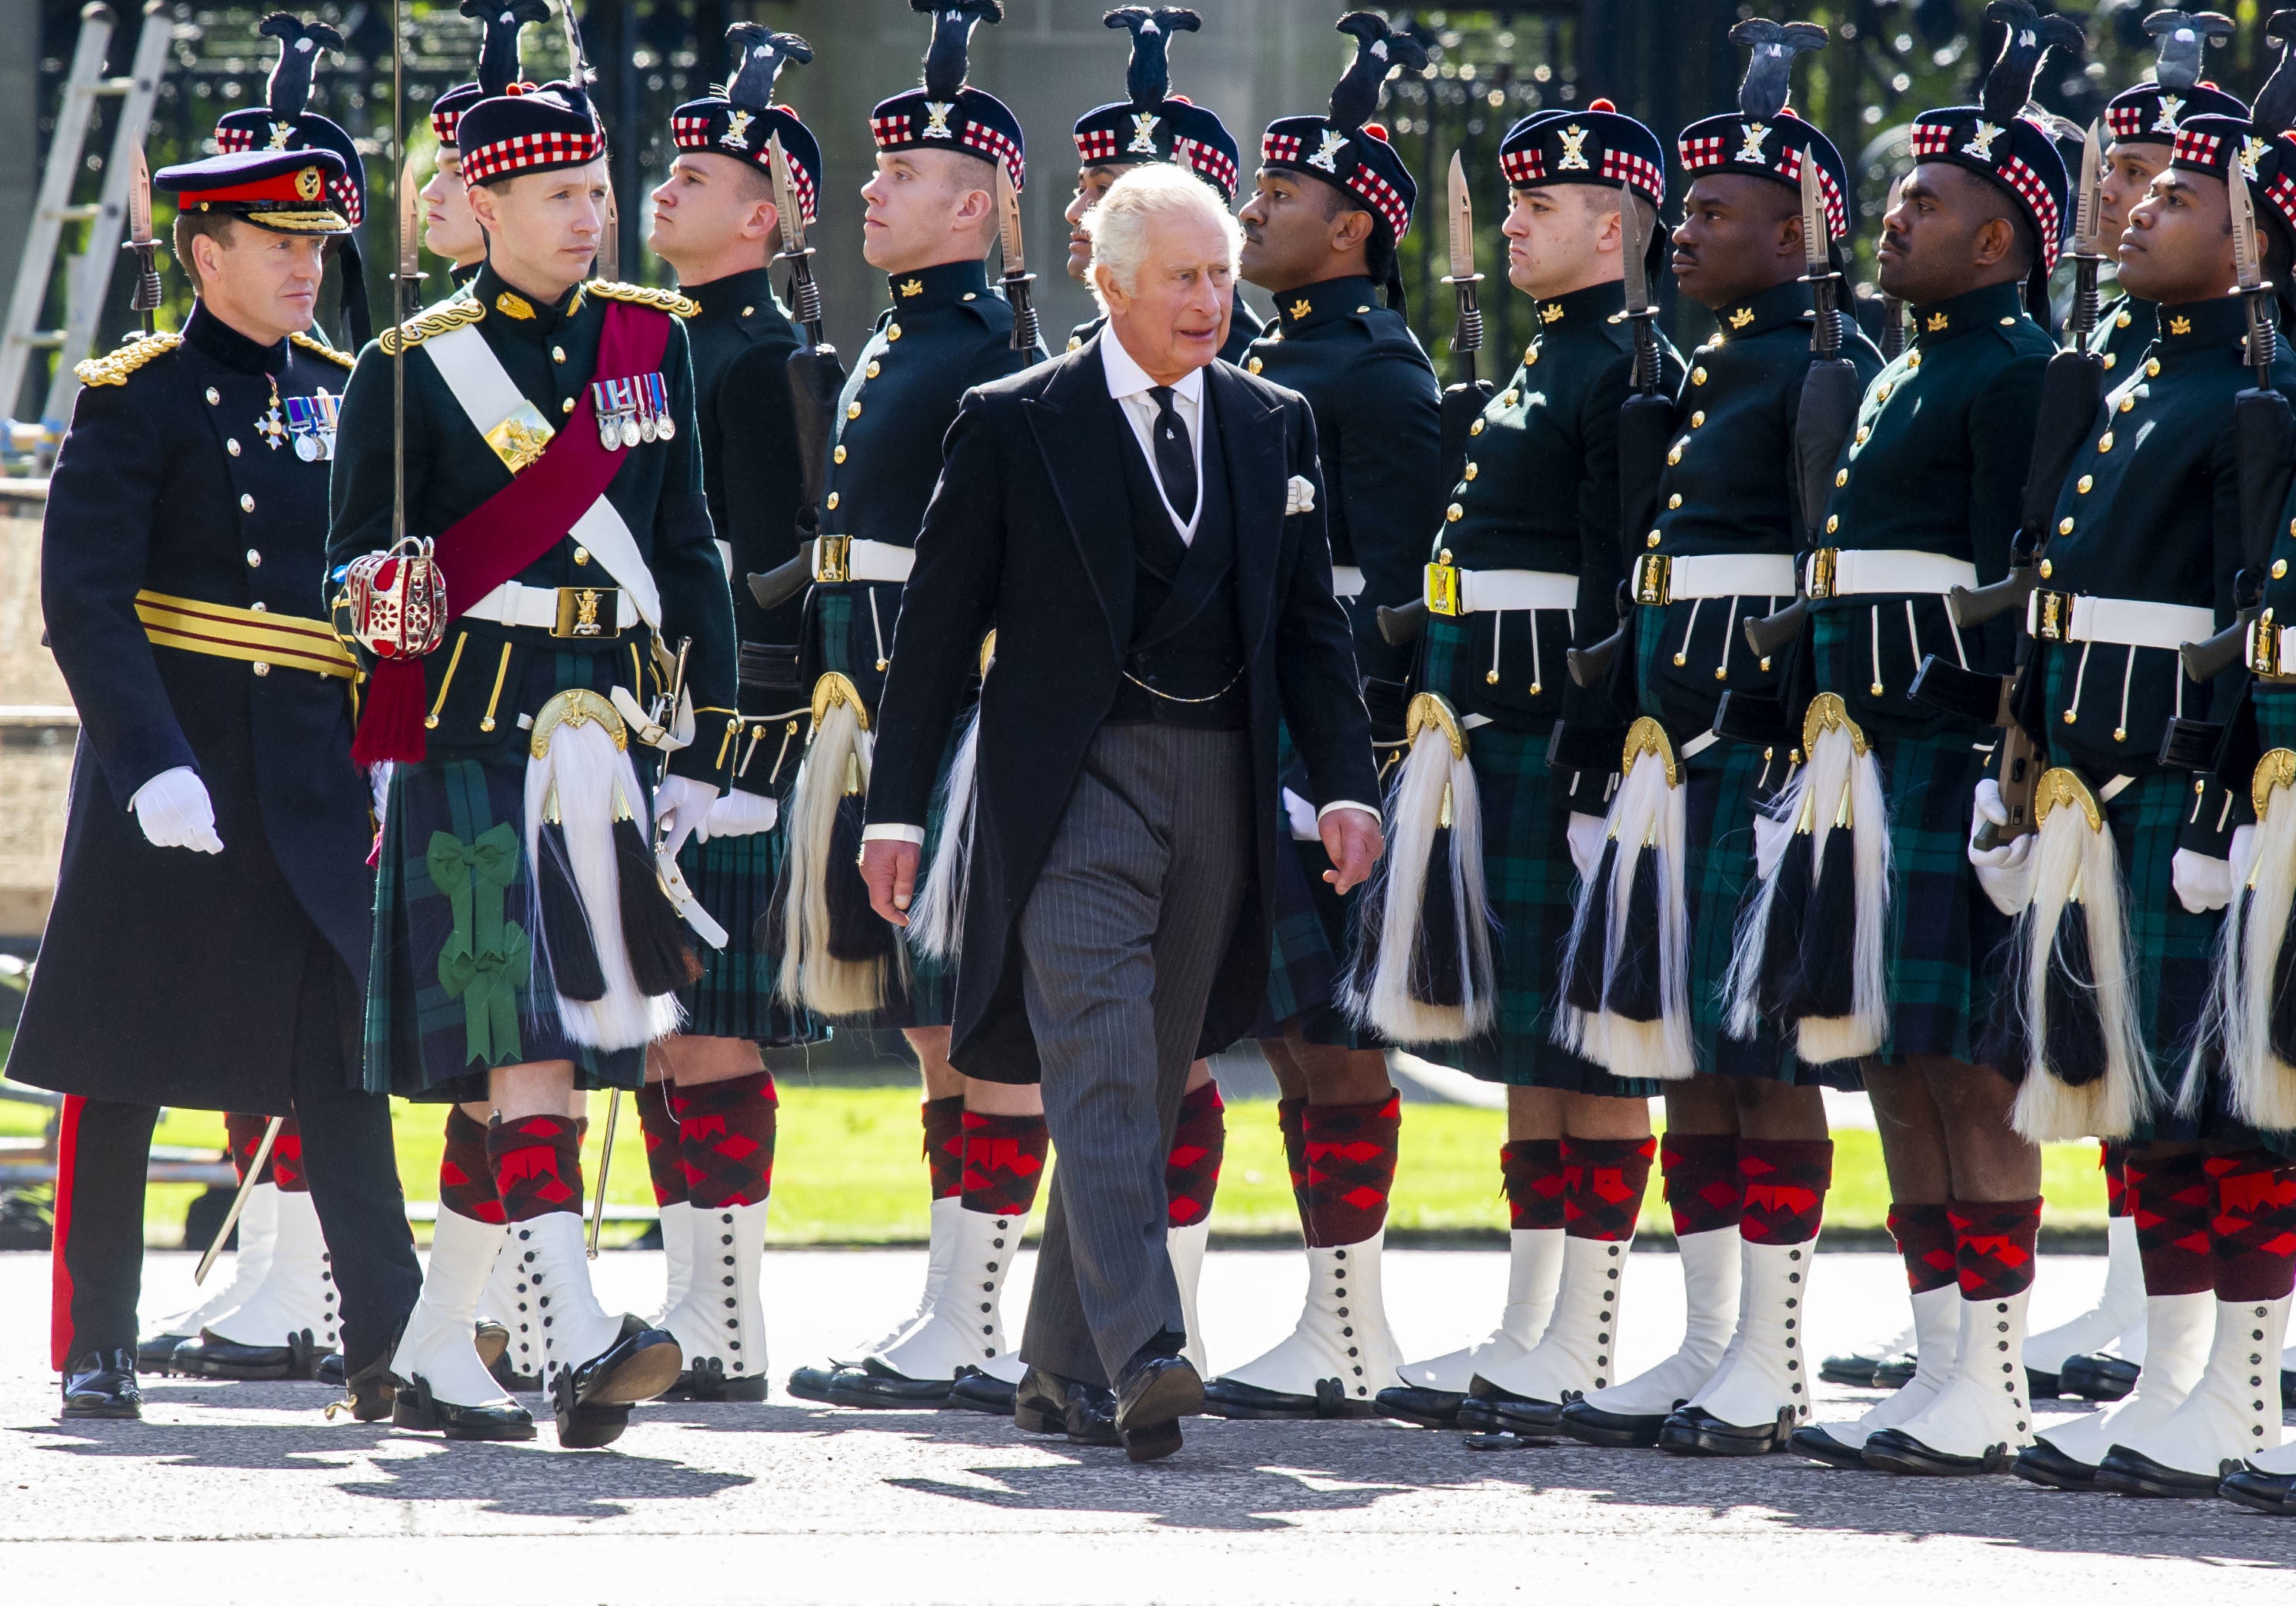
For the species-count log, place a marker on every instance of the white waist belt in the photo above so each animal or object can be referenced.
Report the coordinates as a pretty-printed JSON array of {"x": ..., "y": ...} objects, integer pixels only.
[
  {"x": 1453, "y": 592},
  {"x": 558, "y": 610},
  {"x": 1659, "y": 579},
  {"x": 1347, "y": 580},
  {"x": 1885, "y": 572},
  {"x": 840, "y": 558},
  {"x": 2059, "y": 616}
]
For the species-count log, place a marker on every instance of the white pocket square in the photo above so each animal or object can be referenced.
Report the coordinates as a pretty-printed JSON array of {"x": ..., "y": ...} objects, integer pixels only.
[{"x": 1298, "y": 495}]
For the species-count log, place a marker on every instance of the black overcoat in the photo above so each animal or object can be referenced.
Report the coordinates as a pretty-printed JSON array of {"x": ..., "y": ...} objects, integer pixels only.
[{"x": 1024, "y": 536}]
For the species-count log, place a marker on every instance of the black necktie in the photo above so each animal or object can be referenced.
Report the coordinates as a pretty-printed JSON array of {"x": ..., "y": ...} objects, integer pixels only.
[{"x": 1176, "y": 459}]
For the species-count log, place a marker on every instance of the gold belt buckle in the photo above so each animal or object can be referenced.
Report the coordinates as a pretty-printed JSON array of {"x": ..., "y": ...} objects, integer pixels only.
[
  {"x": 1443, "y": 589},
  {"x": 2264, "y": 647},
  {"x": 578, "y": 610},
  {"x": 2053, "y": 616},
  {"x": 833, "y": 562},
  {"x": 1654, "y": 579},
  {"x": 1822, "y": 565}
]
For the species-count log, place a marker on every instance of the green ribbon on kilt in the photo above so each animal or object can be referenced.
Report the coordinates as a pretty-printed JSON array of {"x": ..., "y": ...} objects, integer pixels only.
[{"x": 487, "y": 959}]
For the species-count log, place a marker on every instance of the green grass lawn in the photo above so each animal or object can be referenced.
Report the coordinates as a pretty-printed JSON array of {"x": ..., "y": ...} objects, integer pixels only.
[{"x": 847, "y": 1169}]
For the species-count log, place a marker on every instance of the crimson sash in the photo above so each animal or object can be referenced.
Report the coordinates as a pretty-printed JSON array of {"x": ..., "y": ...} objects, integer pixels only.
[{"x": 507, "y": 534}]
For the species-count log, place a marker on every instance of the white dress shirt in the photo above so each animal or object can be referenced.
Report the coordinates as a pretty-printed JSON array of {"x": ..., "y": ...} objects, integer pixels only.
[{"x": 1130, "y": 383}]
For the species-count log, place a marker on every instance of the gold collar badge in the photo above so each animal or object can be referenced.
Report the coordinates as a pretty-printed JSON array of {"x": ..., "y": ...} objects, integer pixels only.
[{"x": 511, "y": 305}]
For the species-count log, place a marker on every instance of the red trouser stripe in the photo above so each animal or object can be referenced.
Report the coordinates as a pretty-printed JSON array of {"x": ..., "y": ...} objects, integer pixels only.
[{"x": 60, "y": 1322}]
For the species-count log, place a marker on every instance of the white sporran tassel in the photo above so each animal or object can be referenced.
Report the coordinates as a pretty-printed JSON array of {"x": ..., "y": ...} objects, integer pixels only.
[
  {"x": 937, "y": 921},
  {"x": 2247, "y": 965},
  {"x": 837, "y": 761}
]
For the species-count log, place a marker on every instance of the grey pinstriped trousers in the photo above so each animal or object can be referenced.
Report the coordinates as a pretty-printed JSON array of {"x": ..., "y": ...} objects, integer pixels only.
[{"x": 1119, "y": 942}]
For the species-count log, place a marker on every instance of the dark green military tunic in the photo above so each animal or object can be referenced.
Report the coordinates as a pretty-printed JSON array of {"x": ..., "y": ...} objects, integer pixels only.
[
  {"x": 433, "y": 1029},
  {"x": 946, "y": 331},
  {"x": 1379, "y": 438},
  {"x": 1729, "y": 490},
  {"x": 2125, "y": 327},
  {"x": 1540, "y": 492},
  {"x": 2150, "y": 511},
  {"x": 742, "y": 340},
  {"x": 1937, "y": 464}
]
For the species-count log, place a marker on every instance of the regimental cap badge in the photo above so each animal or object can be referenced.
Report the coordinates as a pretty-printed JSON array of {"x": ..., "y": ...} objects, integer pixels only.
[
  {"x": 309, "y": 183},
  {"x": 1980, "y": 141},
  {"x": 737, "y": 130},
  {"x": 2251, "y": 151},
  {"x": 937, "y": 120},
  {"x": 1749, "y": 143},
  {"x": 2171, "y": 105},
  {"x": 280, "y": 133},
  {"x": 1327, "y": 156},
  {"x": 1574, "y": 147},
  {"x": 1143, "y": 134}
]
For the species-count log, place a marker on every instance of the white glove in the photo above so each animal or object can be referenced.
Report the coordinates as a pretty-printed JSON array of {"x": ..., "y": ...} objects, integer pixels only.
[
  {"x": 2243, "y": 852},
  {"x": 1588, "y": 832},
  {"x": 1300, "y": 814},
  {"x": 2003, "y": 871},
  {"x": 174, "y": 810},
  {"x": 738, "y": 814},
  {"x": 2202, "y": 883},
  {"x": 680, "y": 805}
]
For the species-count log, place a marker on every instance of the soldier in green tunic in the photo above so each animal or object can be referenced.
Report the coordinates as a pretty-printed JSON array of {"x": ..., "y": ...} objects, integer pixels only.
[
  {"x": 450, "y": 227},
  {"x": 2142, "y": 558},
  {"x": 1332, "y": 200},
  {"x": 1884, "y": 964},
  {"x": 1526, "y": 564},
  {"x": 932, "y": 218}
]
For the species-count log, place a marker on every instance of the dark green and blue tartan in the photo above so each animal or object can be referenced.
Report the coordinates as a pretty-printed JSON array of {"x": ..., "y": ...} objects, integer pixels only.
[
  {"x": 735, "y": 878},
  {"x": 1531, "y": 881},
  {"x": 1310, "y": 941}
]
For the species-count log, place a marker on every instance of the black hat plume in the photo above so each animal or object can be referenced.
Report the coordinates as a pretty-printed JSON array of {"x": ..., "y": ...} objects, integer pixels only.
[
  {"x": 762, "y": 54},
  {"x": 2185, "y": 38},
  {"x": 1378, "y": 47},
  {"x": 2274, "y": 112},
  {"x": 2009, "y": 81},
  {"x": 1769, "y": 70},
  {"x": 1148, "y": 76},
  {"x": 946, "y": 58},
  {"x": 498, "y": 62},
  {"x": 289, "y": 89}
]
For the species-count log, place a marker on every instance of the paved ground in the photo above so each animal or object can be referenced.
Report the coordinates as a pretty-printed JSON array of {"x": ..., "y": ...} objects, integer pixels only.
[{"x": 789, "y": 1503}]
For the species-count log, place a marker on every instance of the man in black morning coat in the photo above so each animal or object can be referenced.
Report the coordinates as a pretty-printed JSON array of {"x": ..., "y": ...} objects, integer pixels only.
[{"x": 1142, "y": 527}]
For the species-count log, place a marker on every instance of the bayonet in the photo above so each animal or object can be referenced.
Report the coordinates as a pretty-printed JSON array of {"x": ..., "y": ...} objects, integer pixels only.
[
  {"x": 1467, "y": 338},
  {"x": 2088, "y": 207},
  {"x": 804, "y": 294},
  {"x": 1633, "y": 245},
  {"x": 1817, "y": 264},
  {"x": 146, "y": 299},
  {"x": 1017, "y": 277},
  {"x": 410, "y": 225},
  {"x": 1893, "y": 309},
  {"x": 2247, "y": 269}
]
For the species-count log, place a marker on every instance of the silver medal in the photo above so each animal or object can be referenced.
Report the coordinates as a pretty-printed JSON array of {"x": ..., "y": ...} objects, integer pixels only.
[
  {"x": 307, "y": 448},
  {"x": 663, "y": 428},
  {"x": 630, "y": 436}
]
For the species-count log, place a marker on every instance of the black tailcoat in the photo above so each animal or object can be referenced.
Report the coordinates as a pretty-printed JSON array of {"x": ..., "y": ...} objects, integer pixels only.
[
  {"x": 1027, "y": 536},
  {"x": 167, "y": 976}
]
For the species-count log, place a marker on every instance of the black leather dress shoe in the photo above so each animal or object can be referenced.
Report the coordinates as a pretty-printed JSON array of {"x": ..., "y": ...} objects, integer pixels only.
[
  {"x": 1429, "y": 1408},
  {"x": 811, "y": 1383},
  {"x": 208, "y": 1356},
  {"x": 1819, "y": 1445},
  {"x": 975, "y": 1390},
  {"x": 2126, "y": 1471},
  {"x": 1895, "y": 1450},
  {"x": 1153, "y": 1395},
  {"x": 2272, "y": 1492},
  {"x": 1590, "y": 1425},
  {"x": 1852, "y": 1371},
  {"x": 1694, "y": 1430},
  {"x": 417, "y": 1410},
  {"x": 707, "y": 1379},
  {"x": 2102, "y": 1378},
  {"x": 1047, "y": 1403},
  {"x": 2044, "y": 1385},
  {"x": 591, "y": 1402},
  {"x": 1895, "y": 1373},
  {"x": 369, "y": 1393},
  {"x": 2044, "y": 1464},
  {"x": 491, "y": 1339},
  {"x": 157, "y": 1354},
  {"x": 1225, "y": 1397},
  {"x": 873, "y": 1386},
  {"x": 1476, "y": 1415},
  {"x": 102, "y": 1385},
  {"x": 329, "y": 1370},
  {"x": 1537, "y": 1418}
]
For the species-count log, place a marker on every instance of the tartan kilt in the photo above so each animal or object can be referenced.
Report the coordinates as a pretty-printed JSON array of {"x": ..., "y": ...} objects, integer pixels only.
[
  {"x": 1312, "y": 942},
  {"x": 1531, "y": 881},
  {"x": 419, "y": 1039}
]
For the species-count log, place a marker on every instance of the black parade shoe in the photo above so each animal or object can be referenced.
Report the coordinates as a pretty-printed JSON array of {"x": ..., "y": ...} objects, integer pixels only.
[
  {"x": 418, "y": 1410},
  {"x": 1476, "y": 1415},
  {"x": 371, "y": 1393},
  {"x": 975, "y": 1390},
  {"x": 2102, "y": 1378},
  {"x": 208, "y": 1356},
  {"x": 1894, "y": 1450},
  {"x": 1850, "y": 1371},
  {"x": 2270, "y": 1492},
  {"x": 1818, "y": 1444},
  {"x": 157, "y": 1354},
  {"x": 811, "y": 1383},
  {"x": 1532, "y": 1417},
  {"x": 2126, "y": 1471},
  {"x": 706, "y": 1380},
  {"x": 1694, "y": 1430},
  {"x": 1225, "y": 1397},
  {"x": 101, "y": 1386},
  {"x": 1047, "y": 1403},
  {"x": 491, "y": 1339},
  {"x": 2044, "y": 1385},
  {"x": 1609, "y": 1430},
  {"x": 1428, "y": 1408},
  {"x": 329, "y": 1370},
  {"x": 2044, "y": 1464},
  {"x": 1894, "y": 1373},
  {"x": 1153, "y": 1395},
  {"x": 873, "y": 1386},
  {"x": 591, "y": 1402}
]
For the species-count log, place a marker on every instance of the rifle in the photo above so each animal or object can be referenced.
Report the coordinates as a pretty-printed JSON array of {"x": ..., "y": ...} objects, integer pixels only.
[{"x": 147, "y": 295}]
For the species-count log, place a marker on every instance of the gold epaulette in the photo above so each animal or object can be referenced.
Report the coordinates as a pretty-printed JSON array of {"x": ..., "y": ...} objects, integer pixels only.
[
  {"x": 318, "y": 348},
  {"x": 645, "y": 295},
  {"x": 113, "y": 367},
  {"x": 430, "y": 321}
]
